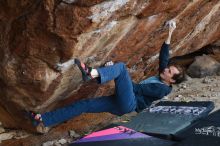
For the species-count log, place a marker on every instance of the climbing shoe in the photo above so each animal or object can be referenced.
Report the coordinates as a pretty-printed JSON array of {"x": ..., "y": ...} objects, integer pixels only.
[
  {"x": 36, "y": 118},
  {"x": 85, "y": 70}
]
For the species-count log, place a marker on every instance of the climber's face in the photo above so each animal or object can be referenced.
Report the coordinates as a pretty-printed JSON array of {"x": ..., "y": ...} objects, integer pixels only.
[{"x": 168, "y": 73}]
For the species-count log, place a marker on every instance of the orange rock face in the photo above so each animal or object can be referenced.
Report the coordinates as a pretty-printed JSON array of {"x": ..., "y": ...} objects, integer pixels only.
[{"x": 36, "y": 35}]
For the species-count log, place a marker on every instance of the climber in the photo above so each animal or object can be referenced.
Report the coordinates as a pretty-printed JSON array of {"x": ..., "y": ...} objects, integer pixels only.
[{"x": 128, "y": 97}]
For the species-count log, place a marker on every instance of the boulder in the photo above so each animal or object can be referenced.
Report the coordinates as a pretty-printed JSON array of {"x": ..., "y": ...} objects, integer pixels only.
[
  {"x": 6, "y": 136},
  {"x": 36, "y": 35},
  {"x": 203, "y": 66}
]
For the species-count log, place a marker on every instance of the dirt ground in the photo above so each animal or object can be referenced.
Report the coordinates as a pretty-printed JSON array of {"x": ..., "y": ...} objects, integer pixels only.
[{"x": 197, "y": 89}]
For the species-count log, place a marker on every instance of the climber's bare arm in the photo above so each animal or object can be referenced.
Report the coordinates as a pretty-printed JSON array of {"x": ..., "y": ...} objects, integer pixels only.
[{"x": 172, "y": 25}]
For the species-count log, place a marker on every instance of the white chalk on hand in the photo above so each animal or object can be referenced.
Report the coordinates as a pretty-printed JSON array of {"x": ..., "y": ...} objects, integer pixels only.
[
  {"x": 171, "y": 23},
  {"x": 65, "y": 66}
]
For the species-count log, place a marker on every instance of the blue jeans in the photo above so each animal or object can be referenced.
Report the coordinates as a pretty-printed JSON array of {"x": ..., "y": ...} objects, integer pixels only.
[{"x": 122, "y": 102}]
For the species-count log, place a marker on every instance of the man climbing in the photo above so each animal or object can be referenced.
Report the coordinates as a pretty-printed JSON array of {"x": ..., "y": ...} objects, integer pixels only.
[{"x": 128, "y": 96}]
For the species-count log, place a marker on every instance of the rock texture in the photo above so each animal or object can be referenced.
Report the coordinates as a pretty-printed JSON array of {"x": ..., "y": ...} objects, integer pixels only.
[
  {"x": 203, "y": 66},
  {"x": 35, "y": 35}
]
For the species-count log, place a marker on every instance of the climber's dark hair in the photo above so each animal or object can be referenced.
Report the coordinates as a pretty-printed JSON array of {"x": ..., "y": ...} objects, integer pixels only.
[{"x": 180, "y": 77}]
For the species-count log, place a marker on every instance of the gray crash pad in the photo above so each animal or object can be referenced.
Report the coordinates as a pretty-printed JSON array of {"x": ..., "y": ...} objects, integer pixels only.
[{"x": 169, "y": 118}]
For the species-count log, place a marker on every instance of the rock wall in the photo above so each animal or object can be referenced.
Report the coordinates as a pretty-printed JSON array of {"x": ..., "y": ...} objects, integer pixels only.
[{"x": 35, "y": 35}]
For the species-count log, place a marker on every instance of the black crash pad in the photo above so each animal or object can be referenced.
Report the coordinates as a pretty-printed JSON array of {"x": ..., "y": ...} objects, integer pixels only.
[
  {"x": 206, "y": 127},
  {"x": 168, "y": 118},
  {"x": 197, "y": 140}
]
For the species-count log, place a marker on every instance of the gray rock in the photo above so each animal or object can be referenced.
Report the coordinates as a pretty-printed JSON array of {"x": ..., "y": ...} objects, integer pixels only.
[
  {"x": 187, "y": 77},
  {"x": 62, "y": 141},
  {"x": 69, "y": 1},
  {"x": 206, "y": 81},
  {"x": 5, "y": 136},
  {"x": 57, "y": 144},
  {"x": 48, "y": 143},
  {"x": 203, "y": 66},
  {"x": 214, "y": 95},
  {"x": 21, "y": 134},
  {"x": 73, "y": 134},
  {"x": 165, "y": 97},
  {"x": 2, "y": 130},
  {"x": 183, "y": 86},
  {"x": 178, "y": 97}
]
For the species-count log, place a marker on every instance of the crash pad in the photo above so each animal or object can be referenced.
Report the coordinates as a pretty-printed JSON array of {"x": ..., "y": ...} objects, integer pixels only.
[
  {"x": 118, "y": 136},
  {"x": 206, "y": 132},
  {"x": 168, "y": 118},
  {"x": 208, "y": 127}
]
